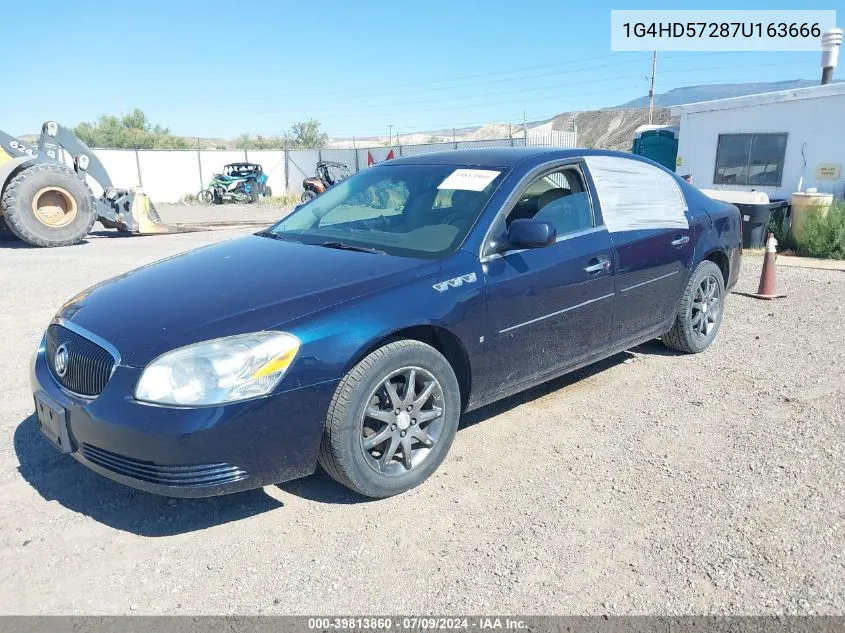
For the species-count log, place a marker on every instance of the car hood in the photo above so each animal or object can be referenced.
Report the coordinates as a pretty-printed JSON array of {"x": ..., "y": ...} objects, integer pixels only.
[{"x": 244, "y": 285}]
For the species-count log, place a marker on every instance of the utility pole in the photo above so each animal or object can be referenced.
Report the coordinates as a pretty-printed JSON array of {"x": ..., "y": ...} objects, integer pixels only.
[
  {"x": 390, "y": 135},
  {"x": 651, "y": 89}
]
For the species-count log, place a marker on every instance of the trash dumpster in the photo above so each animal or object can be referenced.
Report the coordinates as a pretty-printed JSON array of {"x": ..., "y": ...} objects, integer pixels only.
[
  {"x": 755, "y": 221},
  {"x": 756, "y": 211}
]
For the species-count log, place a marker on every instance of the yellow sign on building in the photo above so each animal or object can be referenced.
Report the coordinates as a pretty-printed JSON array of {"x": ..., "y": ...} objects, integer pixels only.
[{"x": 828, "y": 171}]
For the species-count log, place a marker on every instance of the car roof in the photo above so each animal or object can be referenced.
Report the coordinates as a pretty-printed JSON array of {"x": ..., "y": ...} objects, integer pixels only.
[{"x": 505, "y": 157}]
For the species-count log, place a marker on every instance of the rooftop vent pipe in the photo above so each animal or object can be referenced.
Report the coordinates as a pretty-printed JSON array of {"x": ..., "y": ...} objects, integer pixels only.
[{"x": 831, "y": 42}]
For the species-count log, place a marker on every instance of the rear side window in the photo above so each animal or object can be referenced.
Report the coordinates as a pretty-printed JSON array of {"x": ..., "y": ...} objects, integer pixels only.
[
  {"x": 559, "y": 198},
  {"x": 634, "y": 195}
]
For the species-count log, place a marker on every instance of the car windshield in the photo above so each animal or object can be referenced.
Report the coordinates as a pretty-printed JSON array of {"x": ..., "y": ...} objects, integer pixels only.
[{"x": 405, "y": 210}]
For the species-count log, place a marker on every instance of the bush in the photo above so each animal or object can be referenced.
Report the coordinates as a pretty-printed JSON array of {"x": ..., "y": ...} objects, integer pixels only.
[
  {"x": 824, "y": 234},
  {"x": 279, "y": 201},
  {"x": 190, "y": 198}
]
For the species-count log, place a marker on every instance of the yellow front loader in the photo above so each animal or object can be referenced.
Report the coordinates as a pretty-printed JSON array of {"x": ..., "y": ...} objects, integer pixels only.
[{"x": 46, "y": 202}]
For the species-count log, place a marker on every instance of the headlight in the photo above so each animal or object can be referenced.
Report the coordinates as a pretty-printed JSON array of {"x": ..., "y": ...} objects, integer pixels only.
[{"x": 218, "y": 371}]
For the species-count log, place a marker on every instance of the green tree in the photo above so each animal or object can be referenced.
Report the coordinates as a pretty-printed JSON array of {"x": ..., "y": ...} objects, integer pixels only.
[
  {"x": 245, "y": 141},
  {"x": 306, "y": 135},
  {"x": 129, "y": 131}
]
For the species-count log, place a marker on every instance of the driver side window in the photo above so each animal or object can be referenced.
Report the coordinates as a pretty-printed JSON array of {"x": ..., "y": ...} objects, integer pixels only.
[{"x": 559, "y": 198}]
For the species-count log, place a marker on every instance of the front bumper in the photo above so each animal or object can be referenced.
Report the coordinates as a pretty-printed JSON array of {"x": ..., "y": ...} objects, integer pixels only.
[{"x": 190, "y": 452}]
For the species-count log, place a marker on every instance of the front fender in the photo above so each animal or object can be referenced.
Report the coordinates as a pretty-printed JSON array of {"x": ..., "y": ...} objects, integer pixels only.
[{"x": 334, "y": 340}]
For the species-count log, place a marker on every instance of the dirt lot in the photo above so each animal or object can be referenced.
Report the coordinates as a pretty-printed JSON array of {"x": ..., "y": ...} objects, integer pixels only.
[{"x": 652, "y": 483}]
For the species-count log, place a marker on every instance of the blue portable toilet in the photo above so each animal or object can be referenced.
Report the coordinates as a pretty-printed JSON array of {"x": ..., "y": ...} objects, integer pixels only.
[{"x": 657, "y": 142}]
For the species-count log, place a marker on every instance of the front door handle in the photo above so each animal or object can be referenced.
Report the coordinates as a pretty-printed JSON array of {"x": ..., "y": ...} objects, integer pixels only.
[
  {"x": 680, "y": 240},
  {"x": 597, "y": 264}
]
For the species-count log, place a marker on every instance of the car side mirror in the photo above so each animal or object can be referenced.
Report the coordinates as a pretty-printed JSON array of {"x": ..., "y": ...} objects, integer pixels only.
[{"x": 524, "y": 233}]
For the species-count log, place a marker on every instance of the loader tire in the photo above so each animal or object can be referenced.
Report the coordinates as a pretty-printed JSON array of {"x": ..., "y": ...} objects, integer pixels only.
[
  {"x": 5, "y": 232},
  {"x": 48, "y": 205}
]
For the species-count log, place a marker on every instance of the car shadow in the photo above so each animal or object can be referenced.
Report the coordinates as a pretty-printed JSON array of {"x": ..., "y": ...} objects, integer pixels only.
[
  {"x": 655, "y": 347},
  {"x": 321, "y": 488},
  {"x": 58, "y": 477}
]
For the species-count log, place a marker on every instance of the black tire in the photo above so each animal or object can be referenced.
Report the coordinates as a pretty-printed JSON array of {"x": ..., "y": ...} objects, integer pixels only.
[
  {"x": 307, "y": 195},
  {"x": 205, "y": 196},
  {"x": 342, "y": 454},
  {"x": 686, "y": 334},
  {"x": 5, "y": 232},
  {"x": 216, "y": 198},
  {"x": 21, "y": 192}
]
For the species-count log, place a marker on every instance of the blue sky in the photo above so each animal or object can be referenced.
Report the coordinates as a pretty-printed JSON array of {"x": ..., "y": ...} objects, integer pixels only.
[{"x": 206, "y": 69}]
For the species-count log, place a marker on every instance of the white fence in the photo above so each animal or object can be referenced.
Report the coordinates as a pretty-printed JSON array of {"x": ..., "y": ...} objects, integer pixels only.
[{"x": 169, "y": 175}]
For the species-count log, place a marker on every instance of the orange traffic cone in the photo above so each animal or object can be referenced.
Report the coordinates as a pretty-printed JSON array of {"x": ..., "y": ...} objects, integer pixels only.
[{"x": 767, "y": 288}]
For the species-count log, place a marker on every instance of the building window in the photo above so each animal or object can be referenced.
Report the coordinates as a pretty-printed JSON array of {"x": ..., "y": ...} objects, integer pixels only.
[{"x": 750, "y": 159}]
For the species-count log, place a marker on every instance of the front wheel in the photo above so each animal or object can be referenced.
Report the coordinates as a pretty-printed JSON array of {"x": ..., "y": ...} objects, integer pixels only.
[
  {"x": 5, "y": 231},
  {"x": 307, "y": 195},
  {"x": 47, "y": 205},
  {"x": 700, "y": 312},
  {"x": 392, "y": 420}
]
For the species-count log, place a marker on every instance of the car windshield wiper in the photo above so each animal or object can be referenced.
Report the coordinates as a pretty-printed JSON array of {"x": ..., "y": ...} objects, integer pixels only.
[
  {"x": 350, "y": 247},
  {"x": 272, "y": 235}
]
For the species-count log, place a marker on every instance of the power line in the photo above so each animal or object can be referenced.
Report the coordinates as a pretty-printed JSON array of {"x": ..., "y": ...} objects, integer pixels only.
[
  {"x": 430, "y": 127},
  {"x": 392, "y": 90},
  {"x": 452, "y": 100}
]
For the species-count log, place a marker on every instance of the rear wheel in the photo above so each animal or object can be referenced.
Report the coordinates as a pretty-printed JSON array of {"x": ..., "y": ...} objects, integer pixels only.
[
  {"x": 48, "y": 205},
  {"x": 700, "y": 312},
  {"x": 392, "y": 420},
  {"x": 308, "y": 195}
]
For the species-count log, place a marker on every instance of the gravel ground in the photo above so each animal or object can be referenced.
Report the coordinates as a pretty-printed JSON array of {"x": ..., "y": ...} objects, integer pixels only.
[{"x": 650, "y": 483}]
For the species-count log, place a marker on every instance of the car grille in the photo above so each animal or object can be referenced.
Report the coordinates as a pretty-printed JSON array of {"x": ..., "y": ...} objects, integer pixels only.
[
  {"x": 89, "y": 366},
  {"x": 198, "y": 475}
]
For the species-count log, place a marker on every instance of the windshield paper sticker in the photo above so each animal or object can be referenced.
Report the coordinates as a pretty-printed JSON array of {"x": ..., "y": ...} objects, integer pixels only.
[{"x": 469, "y": 179}]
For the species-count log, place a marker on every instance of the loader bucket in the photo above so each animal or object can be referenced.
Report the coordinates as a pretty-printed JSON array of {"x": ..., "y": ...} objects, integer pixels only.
[
  {"x": 132, "y": 211},
  {"x": 146, "y": 217}
]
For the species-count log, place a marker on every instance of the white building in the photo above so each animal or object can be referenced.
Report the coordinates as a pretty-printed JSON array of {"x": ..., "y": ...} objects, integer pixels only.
[{"x": 775, "y": 142}]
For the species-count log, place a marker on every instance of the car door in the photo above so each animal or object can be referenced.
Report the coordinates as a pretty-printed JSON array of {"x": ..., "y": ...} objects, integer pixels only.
[
  {"x": 646, "y": 214},
  {"x": 549, "y": 307}
]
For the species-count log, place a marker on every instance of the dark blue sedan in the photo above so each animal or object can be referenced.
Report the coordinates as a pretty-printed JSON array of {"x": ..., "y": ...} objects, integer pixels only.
[{"x": 356, "y": 331}]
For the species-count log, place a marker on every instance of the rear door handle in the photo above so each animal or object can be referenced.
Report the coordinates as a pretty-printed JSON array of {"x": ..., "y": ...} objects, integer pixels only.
[
  {"x": 597, "y": 264},
  {"x": 680, "y": 240}
]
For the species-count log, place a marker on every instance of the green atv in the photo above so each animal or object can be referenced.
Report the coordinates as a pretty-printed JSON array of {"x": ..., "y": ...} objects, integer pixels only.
[{"x": 239, "y": 182}]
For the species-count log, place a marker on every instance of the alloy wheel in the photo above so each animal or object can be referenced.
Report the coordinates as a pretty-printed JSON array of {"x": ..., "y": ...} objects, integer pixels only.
[
  {"x": 706, "y": 307},
  {"x": 402, "y": 421}
]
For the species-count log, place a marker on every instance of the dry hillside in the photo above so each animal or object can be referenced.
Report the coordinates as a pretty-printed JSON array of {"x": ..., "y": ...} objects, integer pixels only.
[{"x": 606, "y": 129}]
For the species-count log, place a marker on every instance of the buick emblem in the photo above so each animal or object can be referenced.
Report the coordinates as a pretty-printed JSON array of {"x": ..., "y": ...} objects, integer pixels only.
[{"x": 60, "y": 361}]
